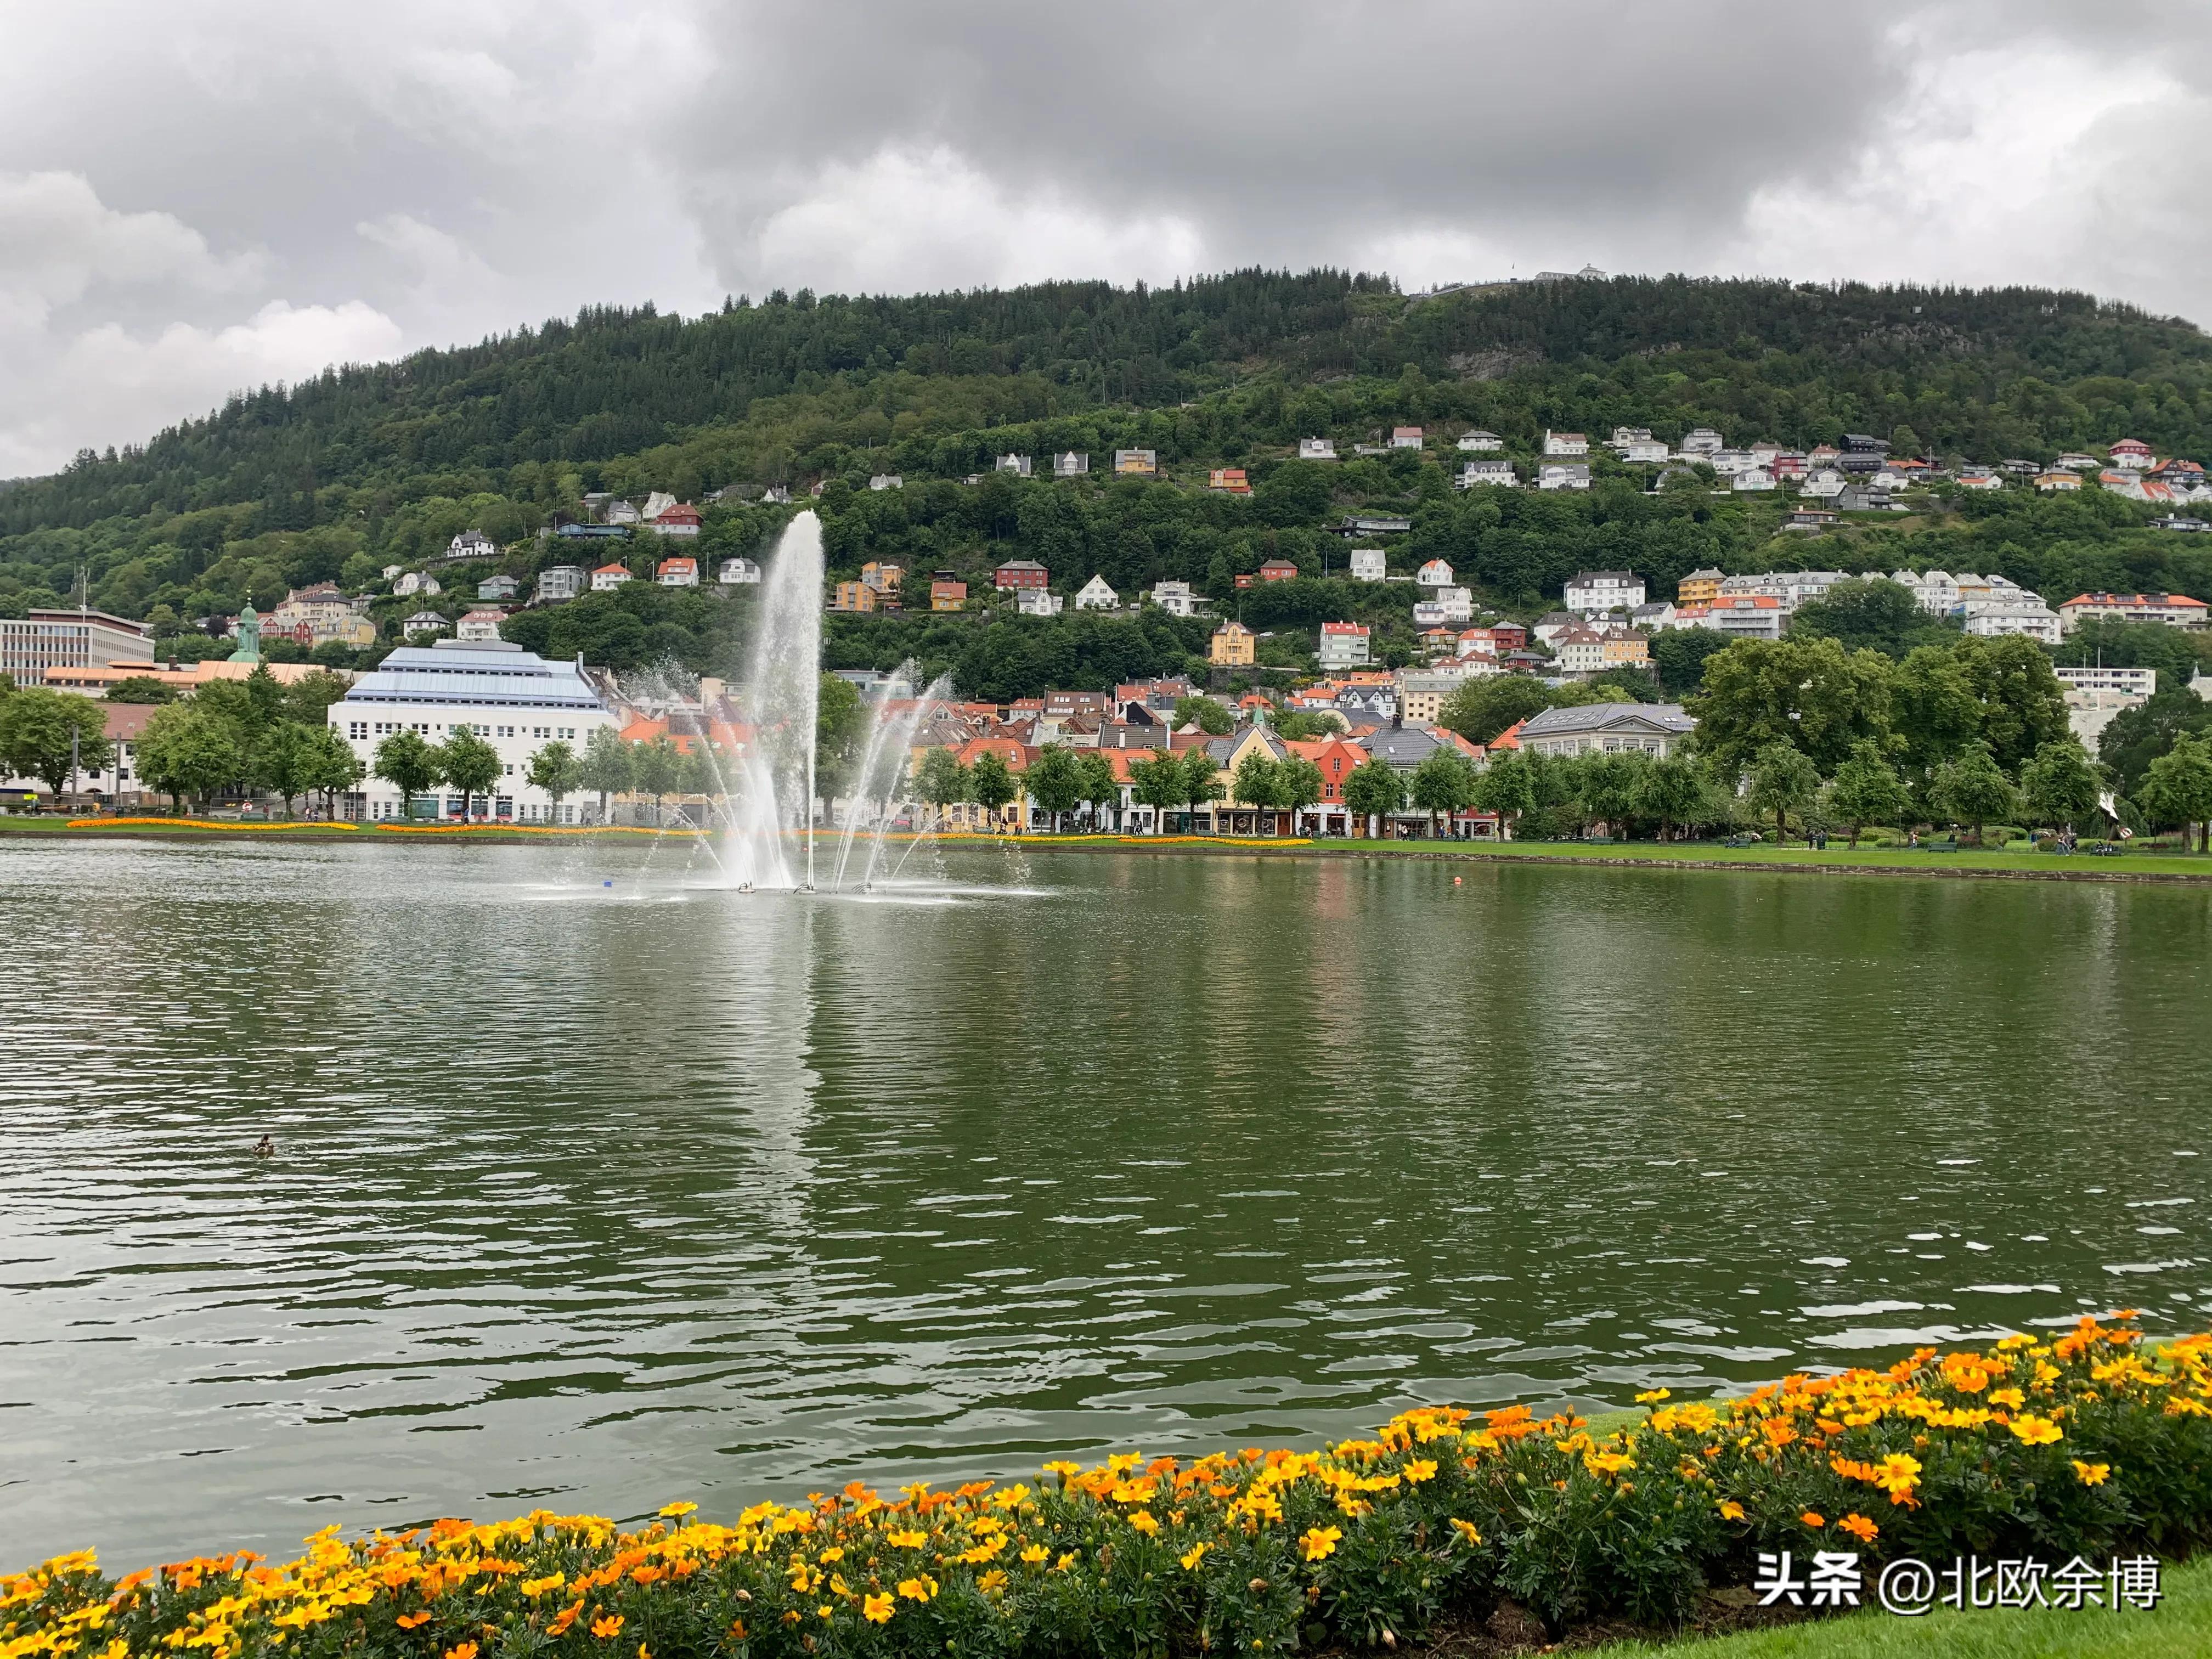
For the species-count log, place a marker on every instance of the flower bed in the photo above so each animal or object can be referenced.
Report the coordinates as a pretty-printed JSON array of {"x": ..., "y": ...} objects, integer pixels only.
[{"x": 2077, "y": 1445}]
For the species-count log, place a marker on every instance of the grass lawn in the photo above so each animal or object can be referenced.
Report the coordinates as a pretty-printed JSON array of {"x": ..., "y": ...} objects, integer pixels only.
[
  {"x": 1835, "y": 856},
  {"x": 2182, "y": 1625}
]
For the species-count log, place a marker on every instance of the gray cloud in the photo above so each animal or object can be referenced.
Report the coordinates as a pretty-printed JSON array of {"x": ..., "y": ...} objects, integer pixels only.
[{"x": 195, "y": 198}]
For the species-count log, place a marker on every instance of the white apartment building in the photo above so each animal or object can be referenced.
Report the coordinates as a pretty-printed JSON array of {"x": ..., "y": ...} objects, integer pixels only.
[
  {"x": 2128, "y": 682},
  {"x": 1594, "y": 592},
  {"x": 41, "y": 640},
  {"x": 1479, "y": 441},
  {"x": 1175, "y": 597},
  {"x": 513, "y": 699},
  {"x": 1343, "y": 645},
  {"x": 1495, "y": 470},
  {"x": 2030, "y": 617}
]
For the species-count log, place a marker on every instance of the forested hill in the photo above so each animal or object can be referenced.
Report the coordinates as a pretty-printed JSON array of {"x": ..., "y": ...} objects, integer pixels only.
[
  {"x": 2012, "y": 370},
  {"x": 366, "y": 471}
]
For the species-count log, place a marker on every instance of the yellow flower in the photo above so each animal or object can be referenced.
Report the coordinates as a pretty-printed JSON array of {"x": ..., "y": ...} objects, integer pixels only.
[
  {"x": 1730, "y": 1509},
  {"x": 876, "y": 1609},
  {"x": 1035, "y": 1553},
  {"x": 1859, "y": 1527},
  {"x": 534, "y": 1588},
  {"x": 993, "y": 1581},
  {"x": 833, "y": 1553},
  {"x": 1064, "y": 1562},
  {"x": 1320, "y": 1541},
  {"x": 1466, "y": 1529},
  {"x": 1143, "y": 1522},
  {"x": 679, "y": 1510},
  {"x": 1418, "y": 1470},
  {"x": 921, "y": 1589},
  {"x": 1192, "y": 1557},
  {"x": 908, "y": 1540},
  {"x": 607, "y": 1628},
  {"x": 2091, "y": 1474},
  {"x": 1653, "y": 1396},
  {"x": 2010, "y": 1399},
  {"x": 2035, "y": 1431},
  {"x": 1065, "y": 1470},
  {"x": 1607, "y": 1463}
]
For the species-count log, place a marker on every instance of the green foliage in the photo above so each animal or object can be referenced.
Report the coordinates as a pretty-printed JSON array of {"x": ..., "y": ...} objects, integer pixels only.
[
  {"x": 656, "y": 769},
  {"x": 1809, "y": 694},
  {"x": 1679, "y": 656},
  {"x": 142, "y": 688},
  {"x": 1867, "y": 790},
  {"x": 191, "y": 748},
  {"x": 1874, "y": 614},
  {"x": 470, "y": 764},
  {"x": 606, "y": 767},
  {"x": 2137, "y": 737},
  {"x": 47, "y": 734},
  {"x": 1212, "y": 717},
  {"x": 1055, "y": 782},
  {"x": 1973, "y": 790},
  {"x": 1299, "y": 783},
  {"x": 1781, "y": 779},
  {"x": 556, "y": 768},
  {"x": 1443, "y": 782},
  {"x": 1508, "y": 786},
  {"x": 1258, "y": 781},
  {"x": 2060, "y": 785},
  {"x": 1673, "y": 789},
  {"x": 2178, "y": 786},
  {"x": 990, "y": 783},
  {"x": 407, "y": 762},
  {"x": 1374, "y": 790},
  {"x": 343, "y": 473},
  {"x": 942, "y": 780},
  {"x": 1483, "y": 706}
]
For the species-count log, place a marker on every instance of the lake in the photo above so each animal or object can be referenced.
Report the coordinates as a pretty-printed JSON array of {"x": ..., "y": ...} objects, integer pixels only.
[{"x": 595, "y": 1188}]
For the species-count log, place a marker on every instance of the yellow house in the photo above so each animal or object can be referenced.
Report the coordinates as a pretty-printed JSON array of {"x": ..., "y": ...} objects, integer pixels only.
[
  {"x": 1231, "y": 647},
  {"x": 1699, "y": 587},
  {"x": 1624, "y": 647},
  {"x": 852, "y": 596}
]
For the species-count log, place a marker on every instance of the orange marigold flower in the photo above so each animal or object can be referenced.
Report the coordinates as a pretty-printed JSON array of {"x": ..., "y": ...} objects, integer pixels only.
[
  {"x": 465, "y": 1650},
  {"x": 2034, "y": 1431},
  {"x": 1320, "y": 1541},
  {"x": 1730, "y": 1509},
  {"x": 876, "y": 1609},
  {"x": 1813, "y": 1518},
  {"x": 607, "y": 1627},
  {"x": 1859, "y": 1527},
  {"x": 409, "y": 1620}
]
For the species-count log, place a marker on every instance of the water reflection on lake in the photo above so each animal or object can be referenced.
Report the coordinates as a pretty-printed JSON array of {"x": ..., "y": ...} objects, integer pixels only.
[{"x": 594, "y": 1194}]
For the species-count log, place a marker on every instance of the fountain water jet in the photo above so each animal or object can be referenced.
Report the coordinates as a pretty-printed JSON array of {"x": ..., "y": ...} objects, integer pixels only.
[
  {"x": 889, "y": 740},
  {"x": 784, "y": 699}
]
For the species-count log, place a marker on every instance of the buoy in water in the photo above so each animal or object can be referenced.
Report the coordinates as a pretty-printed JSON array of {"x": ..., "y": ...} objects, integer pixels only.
[
  {"x": 606, "y": 884},
  {"x": 1455, "y": 881}
]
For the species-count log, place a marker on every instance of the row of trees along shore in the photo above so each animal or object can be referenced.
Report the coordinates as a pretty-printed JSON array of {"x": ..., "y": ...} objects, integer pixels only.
[{"x": 256, "y": 734}]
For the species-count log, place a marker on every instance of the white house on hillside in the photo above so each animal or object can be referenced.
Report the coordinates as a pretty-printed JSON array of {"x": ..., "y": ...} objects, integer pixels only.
[
  {"x": 1094, "y": 595},
  {"x": 1316, "y": 449},
  {"x": 1368, "y": 564},
  {"x": 1594, "y": 593},
  {"x": 1566, "y": 443}
]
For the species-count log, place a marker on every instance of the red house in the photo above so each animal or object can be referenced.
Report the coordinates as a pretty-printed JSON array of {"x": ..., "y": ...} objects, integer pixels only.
[
  {"x": 1020, "y": 573},
  {"x": 1278, "y": 570}
]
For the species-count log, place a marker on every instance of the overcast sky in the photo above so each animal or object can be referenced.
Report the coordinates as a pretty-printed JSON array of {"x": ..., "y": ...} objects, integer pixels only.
[{"x": 199, "y": 195}]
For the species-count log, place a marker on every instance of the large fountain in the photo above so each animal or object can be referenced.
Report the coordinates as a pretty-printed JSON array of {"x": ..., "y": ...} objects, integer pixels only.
[
  {"x": 768, "y": 839},
  {"x": 775, "y": 789}
]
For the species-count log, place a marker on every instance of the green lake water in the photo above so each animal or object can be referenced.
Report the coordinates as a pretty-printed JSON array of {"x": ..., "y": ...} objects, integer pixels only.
[{"x": 594, "y": 1196}]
